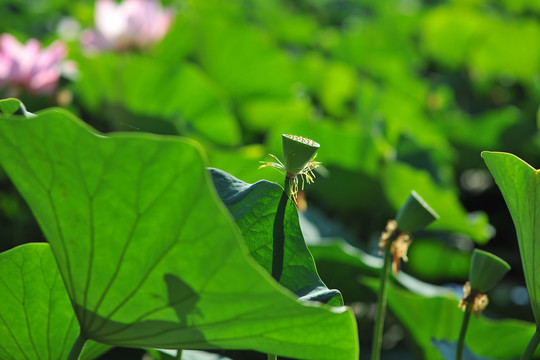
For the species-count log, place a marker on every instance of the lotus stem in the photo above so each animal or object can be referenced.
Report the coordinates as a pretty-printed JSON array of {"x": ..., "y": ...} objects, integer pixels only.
[
  {"x": 463, "y": 331},
  {"x": 278, "y": 247},
  {"x": 77, "y": 347},
  {"x": 178, "y": 355},
  {"x": 272, "y": 357},
  {"x": 381, "y": 304}
]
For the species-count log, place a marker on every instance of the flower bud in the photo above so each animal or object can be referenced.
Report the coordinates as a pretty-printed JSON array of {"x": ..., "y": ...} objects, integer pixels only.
[
  {"x": 415, "y": 214},
  {"x": 486, "y": 270}
]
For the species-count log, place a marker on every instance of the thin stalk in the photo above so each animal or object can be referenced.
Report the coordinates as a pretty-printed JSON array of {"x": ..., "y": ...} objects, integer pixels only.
[
  {"x": 178, "y": 355},
  {"x": 463, "y": 331},
  {"x": 272, "y": 357},
  {"x": 278, "y": 246},
  {"x": 77, "y": 347},
  {"x": 531, "y": 348},
  {"x": 381, "y": 304}
]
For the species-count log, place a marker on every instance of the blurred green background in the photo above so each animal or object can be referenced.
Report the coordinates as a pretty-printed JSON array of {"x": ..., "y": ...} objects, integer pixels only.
[{"x": 401, "y": 95}]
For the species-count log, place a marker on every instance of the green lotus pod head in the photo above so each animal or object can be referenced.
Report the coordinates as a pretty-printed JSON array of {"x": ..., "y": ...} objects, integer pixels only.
[
  {"x": 297, "y": 152},
  {"x": 486, "y": 270},
  {"x": 415, "y": 214}
]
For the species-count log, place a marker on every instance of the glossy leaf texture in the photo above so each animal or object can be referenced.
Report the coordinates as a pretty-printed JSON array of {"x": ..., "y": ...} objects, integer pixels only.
[
  {"x": 149, "y": 255},
  {"x": 254, "y": 208},
  {"x": 36, "y": 317},
  {"x": 519, "y": 185}
]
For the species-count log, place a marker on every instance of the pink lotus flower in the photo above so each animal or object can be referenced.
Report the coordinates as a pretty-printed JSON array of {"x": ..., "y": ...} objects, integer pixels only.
[
  {"x": 28, "y": 67},
  {"x": 130, "y": 24}
]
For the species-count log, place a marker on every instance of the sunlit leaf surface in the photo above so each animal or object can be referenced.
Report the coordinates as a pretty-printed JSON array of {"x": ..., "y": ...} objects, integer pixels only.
[
  {"x": 36, "y": 317},
  {"x": 149, "y": 255},
  {"x": 520, "y": 187}
]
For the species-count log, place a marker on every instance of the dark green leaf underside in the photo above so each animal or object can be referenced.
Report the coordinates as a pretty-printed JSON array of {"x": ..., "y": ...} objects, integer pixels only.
[{"x": 254, "y": 208}]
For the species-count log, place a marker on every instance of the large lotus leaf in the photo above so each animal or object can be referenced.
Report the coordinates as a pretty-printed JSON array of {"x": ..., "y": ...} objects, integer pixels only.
[
  {"x": 36, "y": 317},
  {"x": 441, "y": 319},
  {"x": 520, "y": 187},
  {"x": 400, "y": 179},
  {"x": 149, "y": 255},
  {"x": 254, "y": 207},
  {"x": 176, "y": 92}
]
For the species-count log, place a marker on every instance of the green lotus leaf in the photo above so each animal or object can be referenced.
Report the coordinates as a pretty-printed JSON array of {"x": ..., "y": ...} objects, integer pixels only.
[
  {"x": 36, "y": 317},
  {"x": 149, "y": 255},
  {"x": 519, "y": 186},
  {"x": 254, "y": 208}
]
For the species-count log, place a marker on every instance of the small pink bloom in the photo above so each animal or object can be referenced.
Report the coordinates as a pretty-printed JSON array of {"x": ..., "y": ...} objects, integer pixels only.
[
  {"x": 130, "y": 24},
  {"x": 28, "y": 66}
]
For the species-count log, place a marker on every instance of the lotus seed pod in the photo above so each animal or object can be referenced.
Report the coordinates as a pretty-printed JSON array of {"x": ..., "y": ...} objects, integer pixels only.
[
  {"x": 297, "y": 152},
  {"x": 486, "y": 270},
  {"x": 415, "y": 214}
]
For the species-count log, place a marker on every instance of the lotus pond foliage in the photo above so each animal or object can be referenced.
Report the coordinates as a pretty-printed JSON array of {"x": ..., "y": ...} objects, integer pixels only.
[{"x": 142, "y": 216}]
